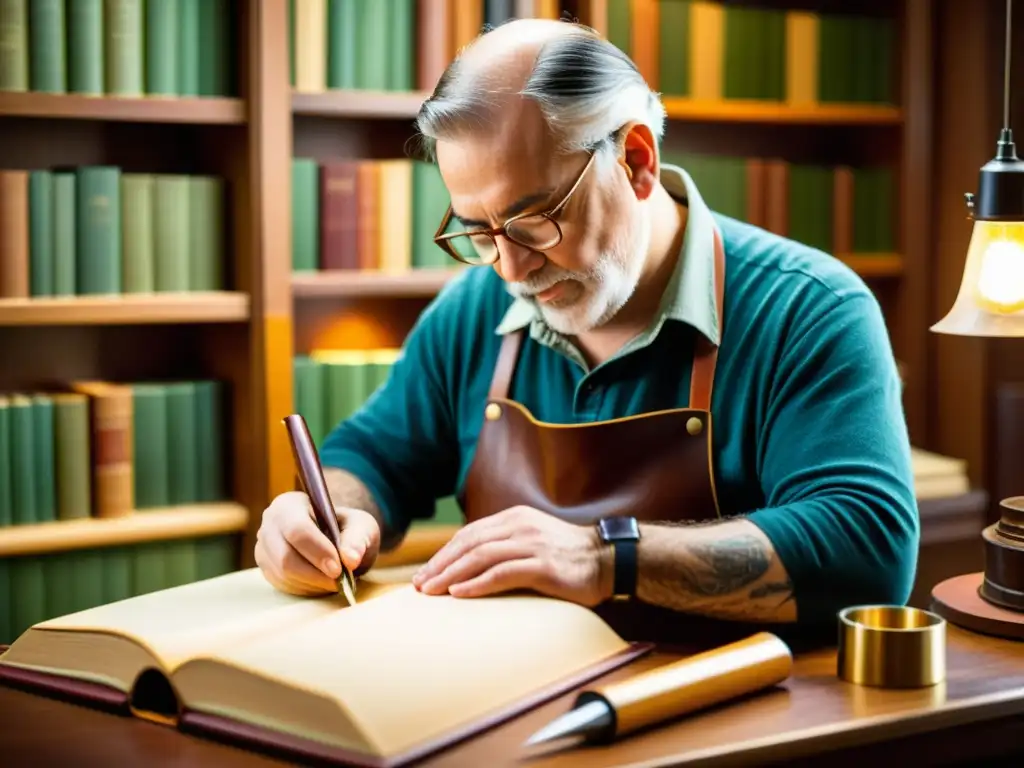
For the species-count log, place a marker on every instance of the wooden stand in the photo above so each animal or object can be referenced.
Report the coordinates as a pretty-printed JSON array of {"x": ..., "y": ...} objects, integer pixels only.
[{"x": 991, "y": 602}]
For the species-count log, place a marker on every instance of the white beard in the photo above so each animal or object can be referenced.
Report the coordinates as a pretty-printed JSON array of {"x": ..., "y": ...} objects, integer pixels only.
[{"x": 606, "y": 287}]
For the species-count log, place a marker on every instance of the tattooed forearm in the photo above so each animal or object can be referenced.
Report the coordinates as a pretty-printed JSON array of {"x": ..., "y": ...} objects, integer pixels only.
[
  {"x": 727, "y": 570},
  {"x": 347, "y": 490}
]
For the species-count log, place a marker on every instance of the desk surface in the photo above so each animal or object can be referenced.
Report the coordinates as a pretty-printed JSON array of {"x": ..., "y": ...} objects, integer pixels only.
[{"x": 981, "y": 704}]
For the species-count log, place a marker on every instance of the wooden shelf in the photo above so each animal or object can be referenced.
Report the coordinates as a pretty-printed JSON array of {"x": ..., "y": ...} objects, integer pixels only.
[
  {"x": 151, "y": 109},
  {"x": 385, "y": 105},
  {"x": 339, "y": 284},
  {"x": 781, "y": 113},
  {"x": 128, "y": 309},
  {"x": 148, "y": 525},
  {"x": 874, "y": 264},
  {"x": 344, "y": 284}
]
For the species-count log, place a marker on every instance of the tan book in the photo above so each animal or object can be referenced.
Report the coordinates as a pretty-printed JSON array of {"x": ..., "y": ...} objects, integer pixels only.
[
  {"x": 707, "y": 54},
  {"x": 395, "y": 677},
  {"x": 801, "y": 58}
]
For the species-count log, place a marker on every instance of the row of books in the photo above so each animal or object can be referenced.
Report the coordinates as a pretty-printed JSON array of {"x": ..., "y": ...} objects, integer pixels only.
[
  {"x": 366, "y": 214},
  {"x": 125, "y": 48},
  {"x": 105, "y": 450},
  {"x": 712, "y": 50},
  {"x": 98, "y": 230},
  {"x": 841, "y": 210},
  {"x": 331, "y": 385},
  {"x": 36, "y": 588},
  {"x": 389, "y": 45}
]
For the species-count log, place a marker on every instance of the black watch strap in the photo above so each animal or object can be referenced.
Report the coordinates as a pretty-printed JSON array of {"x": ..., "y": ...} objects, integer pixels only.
[{"x": 625, "y": 567}]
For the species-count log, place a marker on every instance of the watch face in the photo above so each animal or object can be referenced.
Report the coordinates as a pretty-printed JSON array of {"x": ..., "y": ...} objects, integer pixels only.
[{"x": 619, "y": 528}]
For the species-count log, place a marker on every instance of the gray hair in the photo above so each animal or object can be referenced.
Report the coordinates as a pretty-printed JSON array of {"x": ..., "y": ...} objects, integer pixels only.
[{"x": 586, "y": 89}]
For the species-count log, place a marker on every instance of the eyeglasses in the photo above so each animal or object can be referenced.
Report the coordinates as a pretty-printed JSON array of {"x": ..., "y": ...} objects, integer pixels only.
[{"x": 536, "y": 231}]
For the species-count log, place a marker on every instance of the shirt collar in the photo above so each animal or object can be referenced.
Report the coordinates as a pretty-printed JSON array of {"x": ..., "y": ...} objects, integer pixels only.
[{"x": 690, "y": 294}]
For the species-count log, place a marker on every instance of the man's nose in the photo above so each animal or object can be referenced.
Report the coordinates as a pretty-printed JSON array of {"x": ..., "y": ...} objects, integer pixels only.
[{"x": 515, "y": 261}]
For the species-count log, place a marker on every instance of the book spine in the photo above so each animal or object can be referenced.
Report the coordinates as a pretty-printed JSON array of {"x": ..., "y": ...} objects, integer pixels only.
[
  {"x": 73, "y": 455},
  {"x": 85, "y": 46},
  {"x": 171, "y": 232},
  {"x": 41, "y": 232},
  {"x": 23, "y": 460},
  {"x": 400, "y": 51},
  {"x": 112, "y": 448},
  {"x": 181, "y": 443},
  {"x": 47, "y": 47},
  {"x": 6, "y": 481},
  {"x": 433, "y": 42},
  {"x": 14, "y": 235},
  {"x": 216, "y": 47},
  {"x": 150, "y": 429},
  {"x": 339, "y": 212},
  {"x": 188, "y": 47},
  {"x": 137, "y": 230},
  {"x": 64, "y": 234},
  {"x": 28, "y": 582},
  {"x": 162, "y": 47},
  {"x": 206, "y": 233},
  {"x": 180, "y": 564},
  {"x": 98, "y": 216},
  {"x": 117, "y": 574},
  {"x": 14, "y": 42},
  {"x": 123, "y": 31},
  {"x": 305, "y": 215},
  {"x": 310, "y": 396},
  {"x": 44, "y": 459}
]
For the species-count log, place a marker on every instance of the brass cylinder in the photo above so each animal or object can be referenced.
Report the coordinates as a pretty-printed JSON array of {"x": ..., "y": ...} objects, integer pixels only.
[
  {"x": 891, "y": 646},
  {"x": 698, "y": 681}
]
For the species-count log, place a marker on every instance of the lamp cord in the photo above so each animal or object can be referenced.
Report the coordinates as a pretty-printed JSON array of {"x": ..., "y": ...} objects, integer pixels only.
[{"x": 1006, "y": 70}]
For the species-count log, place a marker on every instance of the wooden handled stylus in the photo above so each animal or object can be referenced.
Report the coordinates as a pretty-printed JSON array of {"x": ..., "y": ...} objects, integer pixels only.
[{"x": 603, "y": 713}]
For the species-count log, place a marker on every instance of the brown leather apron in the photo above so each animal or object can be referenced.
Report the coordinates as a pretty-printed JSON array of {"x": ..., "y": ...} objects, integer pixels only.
[{"x": 654, "y": 466}]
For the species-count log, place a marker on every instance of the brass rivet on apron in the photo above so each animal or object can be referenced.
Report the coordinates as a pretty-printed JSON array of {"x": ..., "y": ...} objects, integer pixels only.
[
  {"x": 492, "y": 412},
  {"x": 694, "y": 425}
]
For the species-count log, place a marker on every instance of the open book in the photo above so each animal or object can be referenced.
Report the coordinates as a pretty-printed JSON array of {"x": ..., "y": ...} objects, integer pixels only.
[{"x": 380, "y": 683}]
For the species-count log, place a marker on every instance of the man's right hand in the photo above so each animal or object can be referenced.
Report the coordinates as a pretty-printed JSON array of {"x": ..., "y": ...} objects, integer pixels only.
[{"x": 296, "y": 557}]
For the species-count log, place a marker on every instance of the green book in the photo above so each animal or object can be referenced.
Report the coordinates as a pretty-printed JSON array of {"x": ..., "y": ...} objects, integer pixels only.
[
  {"x": 117, "y": 574},
  {"x": 216, "y": 48},
  {"x": 305, "y": 214},
  {"x": 810, "y": 205},
  {"x": 64, "y": 234},
  {"x": 171, "y": 232},
  {"x": 188, "y": 47},
  {"x": 162, "y": 47},
  {"x": 47, "y": 47},
  {"x": 180, "y": 562},
  {"x": 429, "y": 202},
  {"x": 674, "y": 48},
  {"x": 149, "y": 569},
  {"x": 85, "y": 47},
  {"x": 98, "y": 219},
  {"x": 183, "y": 465},
  {"x": 210, "y": 426},
  {"x": 138, "y": 248},
  {"x": 346, "y": 389},
  {"x": 123, "y": 47},
  {"x": 44, "y": 458},
  {"x": 206, "y": 233},
  {"x": 41, "y": 232},
  {"x": 6, "y": 482},
  {"x": 620, "y": 25},
  {"x": 215, "y": 556},
  {"x": 401, "y": 48},
  {"x": 27, "y": 577},
  {"x": 373, "y": 50},
  {"x": 58, "y": 576},
  {"x": 87, "y": 587},
  {"x": 150, "y": 430},
  {"x": 72, "y": 455},
  {"x": 23, "y": 480},
  {"x": 342, "y": 44},
  {"x": 14, "y": 56},
  {"x": 310, "y": 396}
]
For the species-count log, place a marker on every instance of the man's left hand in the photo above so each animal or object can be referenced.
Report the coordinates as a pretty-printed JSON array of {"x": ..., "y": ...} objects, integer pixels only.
[{"x": 521, "y": 548}]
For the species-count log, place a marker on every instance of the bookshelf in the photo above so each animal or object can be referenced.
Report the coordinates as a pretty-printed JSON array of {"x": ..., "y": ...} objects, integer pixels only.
[{"x": 252, "y": 114}]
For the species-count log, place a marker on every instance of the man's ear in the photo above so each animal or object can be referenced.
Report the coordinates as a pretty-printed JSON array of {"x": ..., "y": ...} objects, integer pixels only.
[{"x": 639, "y": 157}]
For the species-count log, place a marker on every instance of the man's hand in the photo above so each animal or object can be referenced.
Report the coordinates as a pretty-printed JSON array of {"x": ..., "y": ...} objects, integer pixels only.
[
  {"x": 521, "y": 548},
  {"x": 296, "y": 557}
]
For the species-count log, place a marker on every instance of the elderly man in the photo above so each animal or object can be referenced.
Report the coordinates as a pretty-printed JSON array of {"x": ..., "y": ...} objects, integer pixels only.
[{"x": 638, "y": 401}]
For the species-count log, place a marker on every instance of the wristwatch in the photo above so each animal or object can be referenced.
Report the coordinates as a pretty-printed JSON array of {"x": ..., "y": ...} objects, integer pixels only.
[{"x": 622, "y": 533}]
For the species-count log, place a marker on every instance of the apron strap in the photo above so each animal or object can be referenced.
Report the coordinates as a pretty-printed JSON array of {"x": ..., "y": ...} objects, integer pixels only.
[
  {"x": 506, "y": 365},
  {"x": 702, "y": 377}
]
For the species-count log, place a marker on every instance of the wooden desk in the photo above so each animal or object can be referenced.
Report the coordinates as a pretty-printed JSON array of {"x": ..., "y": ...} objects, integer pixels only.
[{"x": 978, "y": 712}]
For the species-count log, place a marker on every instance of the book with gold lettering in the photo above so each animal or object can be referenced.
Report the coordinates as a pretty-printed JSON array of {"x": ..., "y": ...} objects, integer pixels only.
[{"x": 380, "y": 683}]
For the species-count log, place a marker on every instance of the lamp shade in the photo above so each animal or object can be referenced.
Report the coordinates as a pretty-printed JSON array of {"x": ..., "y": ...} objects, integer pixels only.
[{"x": 991, "y": 297}]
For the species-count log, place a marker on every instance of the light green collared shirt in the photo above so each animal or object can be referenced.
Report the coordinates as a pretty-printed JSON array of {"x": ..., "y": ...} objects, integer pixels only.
[{"x": 689, "y": 296}]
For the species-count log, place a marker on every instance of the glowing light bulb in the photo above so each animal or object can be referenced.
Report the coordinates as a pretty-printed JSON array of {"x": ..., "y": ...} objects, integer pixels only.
[{"x": 1000, "y": 284}]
